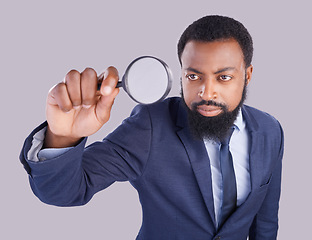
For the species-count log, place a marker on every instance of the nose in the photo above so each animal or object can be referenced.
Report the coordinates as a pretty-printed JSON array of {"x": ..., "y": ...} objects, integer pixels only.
[{"x": 208, "y": 90}]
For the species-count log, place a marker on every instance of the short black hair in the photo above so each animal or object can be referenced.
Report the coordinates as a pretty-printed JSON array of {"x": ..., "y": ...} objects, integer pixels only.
[{"x": 213, "y": 28}]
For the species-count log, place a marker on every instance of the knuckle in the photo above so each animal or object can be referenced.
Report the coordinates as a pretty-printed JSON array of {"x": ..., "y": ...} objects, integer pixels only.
[
  {"x": 89, "y": 73},
  {"x": 72, "y": 75},
  {"x": 58, "y": 88}
]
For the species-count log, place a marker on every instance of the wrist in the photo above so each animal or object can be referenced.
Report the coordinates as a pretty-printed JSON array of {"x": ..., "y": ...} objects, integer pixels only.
[{"x": 52, "y": 140}]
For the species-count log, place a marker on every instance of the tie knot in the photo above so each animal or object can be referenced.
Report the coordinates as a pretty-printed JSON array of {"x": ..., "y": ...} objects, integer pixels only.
[{"x": 228, "y": 136}]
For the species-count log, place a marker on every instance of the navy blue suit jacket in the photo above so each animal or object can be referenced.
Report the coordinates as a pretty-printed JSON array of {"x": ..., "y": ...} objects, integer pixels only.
[{"x": 153, "y": 149}]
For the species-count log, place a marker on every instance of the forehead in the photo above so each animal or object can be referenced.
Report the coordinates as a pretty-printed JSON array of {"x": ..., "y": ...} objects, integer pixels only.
[{"x": 217, "y": 54}]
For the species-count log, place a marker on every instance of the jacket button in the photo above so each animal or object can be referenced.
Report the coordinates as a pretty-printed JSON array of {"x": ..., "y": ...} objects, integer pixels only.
[{"x": 218, "y": 238}]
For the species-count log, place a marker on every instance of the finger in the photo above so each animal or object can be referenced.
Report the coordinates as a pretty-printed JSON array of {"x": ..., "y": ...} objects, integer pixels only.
[
  {"x": 72, "y": 81},
  {"x": 104, "y": 106},
  {"x": 88, "y": 87},
  {"x": 109, "y": 81},
  {"x": 59, "y": 96}
]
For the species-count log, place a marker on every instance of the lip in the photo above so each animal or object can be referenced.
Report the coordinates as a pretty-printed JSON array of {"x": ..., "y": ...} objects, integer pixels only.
[{"x": 209, "y": 111}]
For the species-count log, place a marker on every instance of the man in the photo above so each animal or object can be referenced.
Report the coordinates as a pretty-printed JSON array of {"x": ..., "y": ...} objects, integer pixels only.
[{"x": 191, "y": 184}]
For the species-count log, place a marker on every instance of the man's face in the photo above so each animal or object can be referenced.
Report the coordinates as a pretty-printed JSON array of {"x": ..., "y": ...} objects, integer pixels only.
[
  {"x": 215, "y": 72},
  {"x": 214, "y": 81}
]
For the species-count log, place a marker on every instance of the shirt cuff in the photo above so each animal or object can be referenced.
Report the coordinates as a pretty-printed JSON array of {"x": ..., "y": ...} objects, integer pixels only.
[{"x": 37, "y": 154}]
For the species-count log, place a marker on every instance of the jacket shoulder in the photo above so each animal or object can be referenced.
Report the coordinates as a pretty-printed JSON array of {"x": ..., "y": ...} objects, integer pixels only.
[{"x": 261, "y": 121}]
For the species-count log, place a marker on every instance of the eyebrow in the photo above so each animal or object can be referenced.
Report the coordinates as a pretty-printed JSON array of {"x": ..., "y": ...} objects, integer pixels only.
[
  {"x": 225, "y": 69},
  {"x": 217, "y": 72},
  {"x": 194, "y": 70}
]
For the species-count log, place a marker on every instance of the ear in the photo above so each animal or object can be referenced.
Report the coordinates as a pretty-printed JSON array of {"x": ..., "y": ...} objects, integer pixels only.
[{"x": 249, "y": 74}]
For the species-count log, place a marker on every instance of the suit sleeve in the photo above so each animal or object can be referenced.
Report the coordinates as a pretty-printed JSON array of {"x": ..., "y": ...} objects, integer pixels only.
[
  {"x": 72, "y": 178},
  {"x": 265, "y": 224}
]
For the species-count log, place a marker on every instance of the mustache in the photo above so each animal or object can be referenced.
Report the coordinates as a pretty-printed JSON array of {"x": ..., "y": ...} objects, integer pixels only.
[{"x": 209, "y": 103}]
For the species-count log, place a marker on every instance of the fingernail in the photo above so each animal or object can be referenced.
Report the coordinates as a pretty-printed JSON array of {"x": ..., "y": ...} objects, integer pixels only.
[
  {"x": 76, "y": 107},
  {"x": 86, "y": 106},
  {"x": 107, "y": 90}
]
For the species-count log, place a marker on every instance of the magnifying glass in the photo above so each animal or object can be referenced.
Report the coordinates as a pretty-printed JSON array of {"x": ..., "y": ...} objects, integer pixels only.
[{"x": 147, "y": 80}]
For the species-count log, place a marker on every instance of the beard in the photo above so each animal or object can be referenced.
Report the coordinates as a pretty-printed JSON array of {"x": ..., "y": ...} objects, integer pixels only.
[{"x": 212, "y": 128}]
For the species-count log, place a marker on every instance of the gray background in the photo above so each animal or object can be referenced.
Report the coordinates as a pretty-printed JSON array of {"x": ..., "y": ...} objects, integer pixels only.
[{"x": 41, "y": 41}]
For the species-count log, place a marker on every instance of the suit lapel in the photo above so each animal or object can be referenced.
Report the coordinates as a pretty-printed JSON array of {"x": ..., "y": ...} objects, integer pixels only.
[
  {"x": 256, "y": 149},
  {"x": 255, "y": 160},
  {"x": 199, "y": 161}
]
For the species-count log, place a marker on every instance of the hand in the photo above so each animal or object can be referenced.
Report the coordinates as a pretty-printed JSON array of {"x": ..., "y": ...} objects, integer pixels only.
[{"x": 76, "y": 109}]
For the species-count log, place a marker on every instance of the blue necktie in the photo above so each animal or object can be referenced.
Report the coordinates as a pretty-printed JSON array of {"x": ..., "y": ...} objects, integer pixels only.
[{"x": 228, "y": 180}]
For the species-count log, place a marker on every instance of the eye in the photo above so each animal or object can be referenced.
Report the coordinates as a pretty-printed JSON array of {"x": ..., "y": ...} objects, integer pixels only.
[
  {"x": 225, "y": 78},
  {"x": 192, "y": 77}
]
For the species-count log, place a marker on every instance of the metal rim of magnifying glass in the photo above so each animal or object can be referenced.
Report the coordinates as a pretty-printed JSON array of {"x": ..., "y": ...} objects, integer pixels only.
[{"x": 124, "y": 82}]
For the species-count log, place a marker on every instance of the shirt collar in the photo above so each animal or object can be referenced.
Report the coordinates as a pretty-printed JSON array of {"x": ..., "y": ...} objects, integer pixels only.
[{"x": 239, "y": 122}]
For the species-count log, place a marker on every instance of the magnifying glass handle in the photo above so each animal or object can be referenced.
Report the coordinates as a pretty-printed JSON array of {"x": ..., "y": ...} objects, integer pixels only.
[{"x": 119, "y": 84}]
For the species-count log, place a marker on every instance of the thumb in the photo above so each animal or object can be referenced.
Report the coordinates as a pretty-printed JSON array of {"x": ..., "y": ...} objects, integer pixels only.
[{"x": 104, "y": 106}]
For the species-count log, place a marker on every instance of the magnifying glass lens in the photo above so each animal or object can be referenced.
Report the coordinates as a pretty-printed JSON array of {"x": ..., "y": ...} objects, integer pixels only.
[{"x": 147, "y": 80}]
